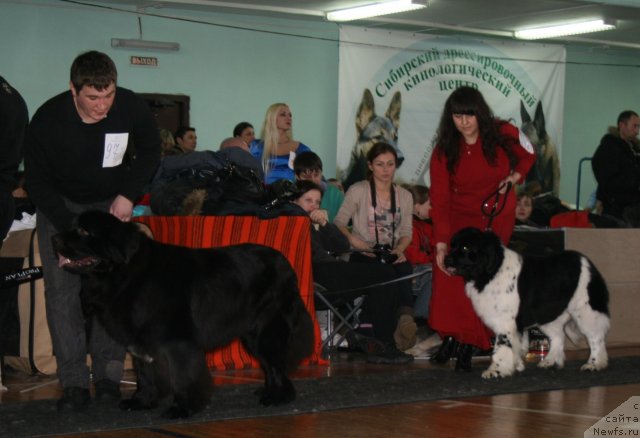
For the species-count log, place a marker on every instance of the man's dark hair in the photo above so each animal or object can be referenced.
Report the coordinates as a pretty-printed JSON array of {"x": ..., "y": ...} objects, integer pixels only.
[
  {"x": 240, "y": 127},
  {"x": 626, "y": 115},
  {"x": 307, "y": 161},
  {"x": 94, "y": 69},
  {"x": 182, "y": 131}
]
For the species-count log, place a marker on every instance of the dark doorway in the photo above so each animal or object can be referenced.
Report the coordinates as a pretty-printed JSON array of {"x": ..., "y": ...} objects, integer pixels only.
[{"x": 171, "y": 110}]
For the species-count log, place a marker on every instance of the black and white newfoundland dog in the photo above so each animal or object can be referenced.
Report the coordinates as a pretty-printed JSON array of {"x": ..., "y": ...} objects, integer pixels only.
[
  {"x": 512, "y": 293},
  {"x": 170, "y": 304}
]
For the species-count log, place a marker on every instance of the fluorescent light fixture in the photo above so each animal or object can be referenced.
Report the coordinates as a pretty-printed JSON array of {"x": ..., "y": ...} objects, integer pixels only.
[
  {"x": 376, "y": 9},
  {"x": 565, "y": 29},
  {"x": 144, "y": 44}
]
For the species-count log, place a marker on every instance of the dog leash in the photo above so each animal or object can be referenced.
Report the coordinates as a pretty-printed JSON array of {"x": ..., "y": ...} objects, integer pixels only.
[
  {"x": 491, "y": 210},
  {"x": 384, "y": 283},
  {"x": 9, "y": 279}
]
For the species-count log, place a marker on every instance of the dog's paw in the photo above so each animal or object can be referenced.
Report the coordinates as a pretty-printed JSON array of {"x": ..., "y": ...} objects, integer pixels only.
[
  {"x": 592, "y": 366},
  {"x": 520, "y": 366},
  {"x": 546, "y": 364},
  {"x": 491, "y": 374},
  {"x": 495, "y": 372},
  {"x": 175, "y": 411},
  {"x": 274, "y": 396},
  {"x": 136, "y": 404}
]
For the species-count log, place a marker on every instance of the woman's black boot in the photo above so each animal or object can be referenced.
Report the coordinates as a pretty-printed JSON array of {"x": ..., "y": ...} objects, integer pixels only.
[
  {"x": 465, "y": 353},
  {"x": 446, "y": 351}
]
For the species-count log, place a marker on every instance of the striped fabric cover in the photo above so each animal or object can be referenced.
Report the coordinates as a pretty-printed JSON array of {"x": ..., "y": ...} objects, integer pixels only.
[{"x": 288, "y": 234}]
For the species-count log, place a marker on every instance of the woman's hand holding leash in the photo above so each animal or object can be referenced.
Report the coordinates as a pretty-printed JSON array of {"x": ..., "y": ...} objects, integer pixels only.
[{"x": 509, "y": 181}]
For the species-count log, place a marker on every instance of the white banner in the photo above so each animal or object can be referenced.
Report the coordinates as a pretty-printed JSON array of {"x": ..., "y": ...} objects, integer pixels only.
[{"x": 393, "y": 86}]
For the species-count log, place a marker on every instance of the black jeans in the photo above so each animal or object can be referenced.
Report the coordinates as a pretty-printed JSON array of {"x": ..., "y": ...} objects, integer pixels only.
[
  {"x": 67, "y": 321},
  {"x": 405, "y": 293}
]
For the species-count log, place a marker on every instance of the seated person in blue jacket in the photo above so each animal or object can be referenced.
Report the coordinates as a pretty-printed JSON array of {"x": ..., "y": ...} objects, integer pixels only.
[
  {"x": 277, "y": 149},
  {"x": 378, "y": 317},
  {"x": 308, "y": 165}
]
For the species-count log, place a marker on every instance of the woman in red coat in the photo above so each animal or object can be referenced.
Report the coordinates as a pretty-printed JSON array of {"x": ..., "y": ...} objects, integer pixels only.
[{"x": 475, "y": 155}]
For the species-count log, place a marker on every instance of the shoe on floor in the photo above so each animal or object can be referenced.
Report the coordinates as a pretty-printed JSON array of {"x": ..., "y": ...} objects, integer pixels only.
[
  {"x": 390, "y": 356},
  {"x": 405, "y": 334},
  {"x": 107, "y": 391},
  {"x": 74, "y": 399},
  {"x": 463, "y": 362},
  {"x": 366, "y": 344},
  {"x": 447, "y": 350}
]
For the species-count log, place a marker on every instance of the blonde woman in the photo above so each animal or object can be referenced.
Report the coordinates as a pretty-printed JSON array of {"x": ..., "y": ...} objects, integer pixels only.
[{"x": 277, "y": 149}]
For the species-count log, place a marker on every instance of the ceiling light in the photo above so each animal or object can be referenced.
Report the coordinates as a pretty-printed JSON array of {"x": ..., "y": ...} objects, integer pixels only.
[
  {"x": 376, "y": 9},
  {"x": 144, "y": 44},
  {"x": 565, "y": 29}
]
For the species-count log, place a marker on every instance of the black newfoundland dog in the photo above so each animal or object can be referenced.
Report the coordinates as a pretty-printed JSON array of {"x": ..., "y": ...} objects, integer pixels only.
[
  {"x": 170, "y": 304},
  {"x": 511, "y": 293}
]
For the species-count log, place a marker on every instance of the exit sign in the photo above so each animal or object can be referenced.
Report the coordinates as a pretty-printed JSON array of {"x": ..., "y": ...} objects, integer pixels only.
[{"x": 149, "y": 61}]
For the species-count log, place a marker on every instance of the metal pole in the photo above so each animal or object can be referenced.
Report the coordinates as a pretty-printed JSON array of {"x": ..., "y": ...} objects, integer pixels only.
[{"x": 582, "y": 160}]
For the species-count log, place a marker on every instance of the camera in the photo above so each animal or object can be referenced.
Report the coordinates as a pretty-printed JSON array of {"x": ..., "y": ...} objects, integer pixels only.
[{"x": 383, "y": 253}]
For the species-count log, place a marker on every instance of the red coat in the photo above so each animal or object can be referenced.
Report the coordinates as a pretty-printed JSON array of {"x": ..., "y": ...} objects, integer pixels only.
[
  {"x": 456, "y": 203},
  {"x": 420, "y": 250}
]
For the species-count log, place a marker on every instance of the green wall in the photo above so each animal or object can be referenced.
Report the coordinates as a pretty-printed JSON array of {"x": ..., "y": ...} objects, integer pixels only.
[
  {"x": 600, "y": 84},
  {"x": 233, "y": 73}
]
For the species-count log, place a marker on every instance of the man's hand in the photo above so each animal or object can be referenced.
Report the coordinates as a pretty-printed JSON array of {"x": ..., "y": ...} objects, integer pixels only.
[{"x": 121, "y": 208}]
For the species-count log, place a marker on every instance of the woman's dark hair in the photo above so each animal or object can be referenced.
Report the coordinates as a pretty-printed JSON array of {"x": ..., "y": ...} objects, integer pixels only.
[
  {"x": 240, "y": 127},
  {"x": 303, "y": 186},
  {"x": 379, "y": 149},
  {"x": 469, "y": 101}
]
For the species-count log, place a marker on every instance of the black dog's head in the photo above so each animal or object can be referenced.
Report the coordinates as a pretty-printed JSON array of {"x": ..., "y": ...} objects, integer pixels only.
[
  {"x": 98, "y": 244},
  {"x": 475, "y": 255}
]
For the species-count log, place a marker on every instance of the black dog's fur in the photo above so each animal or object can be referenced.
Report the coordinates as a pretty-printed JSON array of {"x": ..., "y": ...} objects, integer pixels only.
[
  {"x": 170, "y": 304},
  {"x": 512, "y": 292}
]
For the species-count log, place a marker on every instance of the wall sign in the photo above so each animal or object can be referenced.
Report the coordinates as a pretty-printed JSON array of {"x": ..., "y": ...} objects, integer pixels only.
[{"x": 149, "y": 61}]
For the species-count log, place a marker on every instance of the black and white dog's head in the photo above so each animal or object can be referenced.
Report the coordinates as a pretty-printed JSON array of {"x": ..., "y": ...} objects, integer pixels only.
[
  {"x": 475, "y": 255},
  {"x": 98, "y": 244}
]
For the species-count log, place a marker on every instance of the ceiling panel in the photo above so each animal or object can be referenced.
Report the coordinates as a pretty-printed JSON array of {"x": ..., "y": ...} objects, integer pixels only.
[{"x": 475, "y": 17}]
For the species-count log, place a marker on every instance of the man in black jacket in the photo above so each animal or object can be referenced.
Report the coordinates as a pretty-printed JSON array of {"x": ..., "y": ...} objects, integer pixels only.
[
  {"x": 616, "y": 166},
  {"x": 13, "y": 122},
  {"x": 93, "y": 147}
]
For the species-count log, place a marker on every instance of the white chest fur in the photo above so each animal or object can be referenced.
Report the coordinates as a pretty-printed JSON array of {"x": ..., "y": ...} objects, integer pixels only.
[{"x": 497, "y": 304}]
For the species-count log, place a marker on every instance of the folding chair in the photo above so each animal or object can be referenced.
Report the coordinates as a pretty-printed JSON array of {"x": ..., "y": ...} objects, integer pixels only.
[{"x": 343, "y": 306}]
